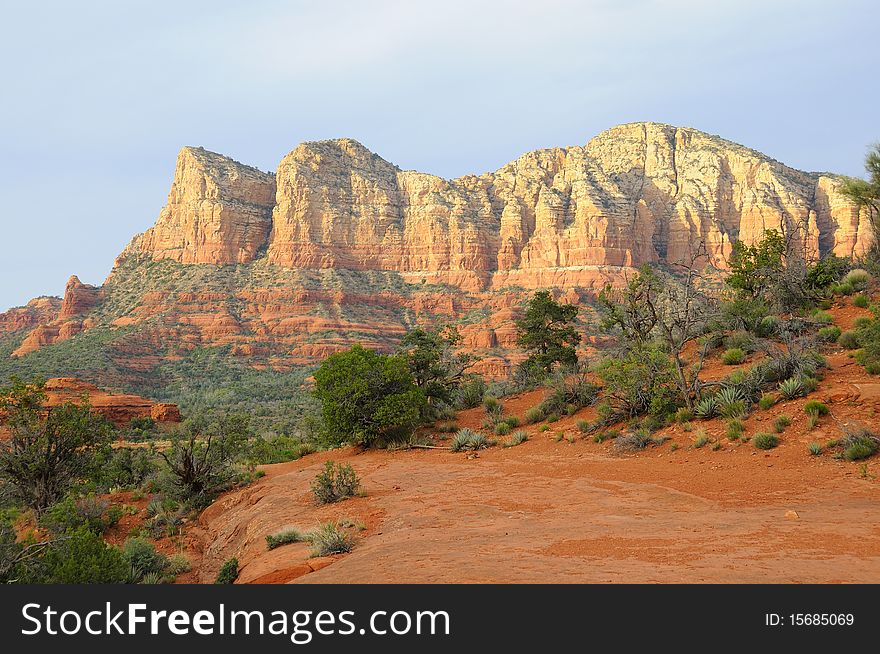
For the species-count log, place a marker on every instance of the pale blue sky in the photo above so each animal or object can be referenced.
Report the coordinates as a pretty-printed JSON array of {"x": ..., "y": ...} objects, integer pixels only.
[{"x": 97, "y": 97}]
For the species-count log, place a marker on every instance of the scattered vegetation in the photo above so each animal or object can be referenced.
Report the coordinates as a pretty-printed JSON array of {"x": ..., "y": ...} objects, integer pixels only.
[
  {"x": 782, "y": 421},
  {"x": 331, "y": 538},
  {"x": 336, "y": 482},
  {"x": 765, "y": 441},
  {"x": 285, "y": 537},
  {"x": 228, "y": 572}
]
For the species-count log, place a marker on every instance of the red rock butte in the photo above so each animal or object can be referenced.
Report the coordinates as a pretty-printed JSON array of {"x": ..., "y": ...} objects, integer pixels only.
[{"x": 339, "y": 245}]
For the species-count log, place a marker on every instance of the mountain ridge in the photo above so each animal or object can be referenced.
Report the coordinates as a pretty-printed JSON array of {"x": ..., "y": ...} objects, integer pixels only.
[{"x": 338, "y": 245}]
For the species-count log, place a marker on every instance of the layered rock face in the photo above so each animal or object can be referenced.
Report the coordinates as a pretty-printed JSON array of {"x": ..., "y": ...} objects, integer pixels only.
[
  {"x": 119, "y": 409},
  {"x": 218, "y": 211},
  {"x": 340, "y": 246},
  {"x": 637, "y": 193}
]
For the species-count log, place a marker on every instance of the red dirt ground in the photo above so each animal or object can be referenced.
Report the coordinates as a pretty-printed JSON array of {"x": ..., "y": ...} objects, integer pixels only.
[{"x": 560, "y": 512}]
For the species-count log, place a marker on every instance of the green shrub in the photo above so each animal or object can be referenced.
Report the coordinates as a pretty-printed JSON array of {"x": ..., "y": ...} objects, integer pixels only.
[
  {"x": 859, "y": 444},
  {"x": 740, "y": 340},
  {"x": 512, "y": 422},
  {"x": 673, "y": 447},
  {"x": 331, "y": 538},
  {"x": 735, "y": 429},
  {"x": 766, "y": 401},
  {"x": 502, "y": 429},
  {"x": 764, "y": 441},
  {"x": 178, "y": 564},
  {"x": 533, "y": 415},
  {"x": 277, "y": 449},
  {"x": 284, "y": 538},
  {"x": 781, "y": 423},
  {"x": 517, "y": 438},
  {"x": 447, "y": 427},
  {"x": 829, "y": 334},
  {"x": 337, "y": 481},
  {"x": 228, "y": 572},
  {"x": 816, "y": 407},
  {"x": 858, "y": 279},
  {"x": 583, "y": 426},
  {"x": 823, "y": 317},
  {"x": 735, "y": 409},
  {"x": 849, "y": 340},
  {"x": 544, "y": 428},
  {"x": 700, "y": 439},
  {"x": 815, "y": 449},
  {"x": 81, "y": 558},
  {"x": 493, "y": 407},
  {"x": 733, "y": 356},
  {"x": 553, "y": 417},
  {"x": 861, "y": 301},
  {"x": 844, "y": 288},
  {"x": 143, "y": 558},
  {"x": 368, "y": 398},
  {"x": 470, "y": 394},
  {"x": 71, "y": 513},
  {"x": 684, "y": 415},
  {"x": 862, "y": 322}
]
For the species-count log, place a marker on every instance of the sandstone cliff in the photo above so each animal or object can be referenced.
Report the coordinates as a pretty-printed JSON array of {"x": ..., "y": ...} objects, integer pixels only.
[
  {"x": 340, "y": 246},
  {"x": 635, "y": 194}
]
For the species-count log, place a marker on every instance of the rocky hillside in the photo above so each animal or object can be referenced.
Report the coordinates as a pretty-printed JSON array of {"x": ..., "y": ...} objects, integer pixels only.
[{"x": 248, "y": 272}]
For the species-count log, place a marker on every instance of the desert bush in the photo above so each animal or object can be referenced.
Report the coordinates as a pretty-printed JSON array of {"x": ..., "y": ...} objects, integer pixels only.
[
  {"x": 735, "y": 429},
  {"x": 733, "y": 356},
  {"x": 178, "y": 564},
  {"x": 829, "y": 334},
  {"x": 534, "y": 414},
  {"x": 228, "y": 572},
  {"x": 331, "y": 538},
  {"x": 822, "y": 317},
  {"x": 583, "y": 426},
  {"x": 142, "y": 557},
  {"x": 502, "y": 429},
  {"x": 71, "y": 513},
  {"x": 201, "y": 458},
  {"x": 81, "y": 557},
  {"x": 493, "y": 408},
  {"x": 781, "y": 422},
  {"x": 857, "y": 278},
  {"x": 816, "y": 407},
  {"x": 277, "y": 449},
  {"x": 512, "y": 421},
  {"x": 861, "y": 322},
  {"x": 126, "y": 467},
  {"x": 765, "y": 441},
  {"x": 700, "y": 438},
  {"x": 470, "y": 393},
  {"x": 740, "y": 340},
  {"x": 632, "y": 441},
  {"x": 638, "y": 383},
  {"x": 517, "y": 438},
  {"x": 683, "y": 415},
  {"x": 766, "y": 401},
  {"x": 337, "y": 481},
  {"x": 844, "y": 288},
  {"x": 861, "y": 301},
  {"x": 447, "y": 427},
  {"x": 553, "y": 417},
  {"x": 46, "y": 452},
  {"x": 815, "y": 449},
  {"x": 849, "y": 340},
  {"x": 859, "y": 444},
  {"x": 284, "y": 538}
]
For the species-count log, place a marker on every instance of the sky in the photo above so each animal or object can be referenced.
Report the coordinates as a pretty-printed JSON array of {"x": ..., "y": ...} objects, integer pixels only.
[{"x": 96, "y": 98}]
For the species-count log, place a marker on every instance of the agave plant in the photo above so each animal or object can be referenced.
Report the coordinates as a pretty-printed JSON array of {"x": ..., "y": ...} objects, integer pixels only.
[
  {"x": 729, "y": 395},
  {"x": 706, "y": 408},
  {"x": 462, "y": 440},
  {"x": 791, "y": 388}
]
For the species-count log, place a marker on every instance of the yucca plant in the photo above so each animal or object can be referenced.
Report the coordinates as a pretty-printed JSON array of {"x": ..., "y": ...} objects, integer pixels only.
[
  {"x": 791, "y": 388},
  {"x": 706, "y": 408}
]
